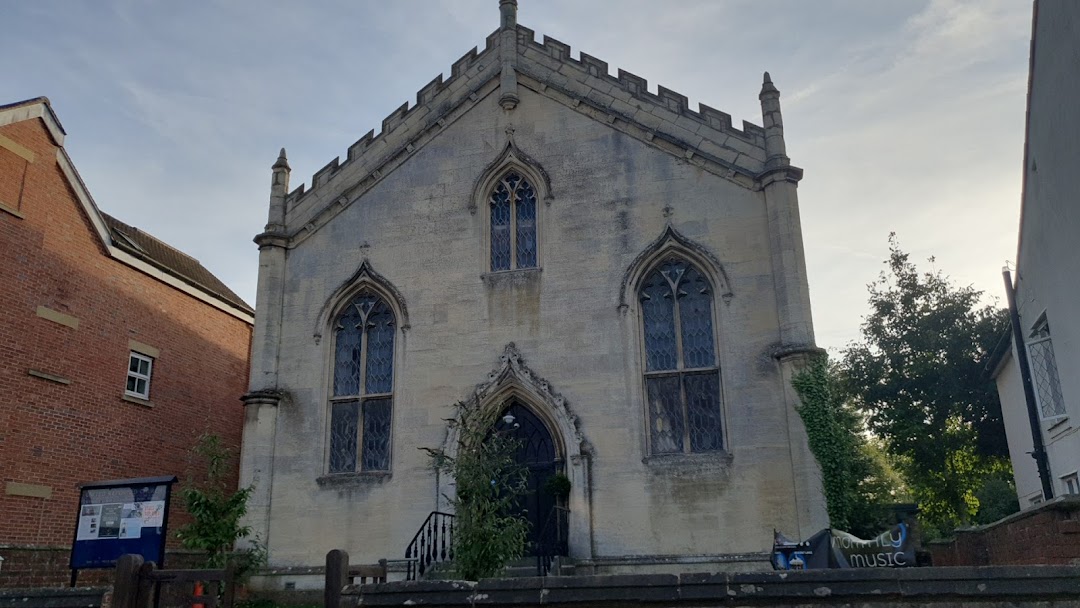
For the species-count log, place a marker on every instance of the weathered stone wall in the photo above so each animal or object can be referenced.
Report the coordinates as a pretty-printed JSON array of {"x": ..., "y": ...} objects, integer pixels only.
[
  {"x": 1014, "y": 587},
  {"x": 81, "y": 597},
  {"x": 614, "y": 190}
]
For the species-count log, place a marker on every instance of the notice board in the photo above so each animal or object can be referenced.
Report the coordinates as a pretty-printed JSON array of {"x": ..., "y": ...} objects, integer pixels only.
[{"x": 118, "y": 517}]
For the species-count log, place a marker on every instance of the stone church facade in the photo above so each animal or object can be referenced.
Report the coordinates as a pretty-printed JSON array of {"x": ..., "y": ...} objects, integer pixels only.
[{"x": 535, "y": 236}]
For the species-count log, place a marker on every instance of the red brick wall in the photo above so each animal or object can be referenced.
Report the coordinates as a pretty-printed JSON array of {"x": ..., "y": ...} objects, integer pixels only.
[
  {"x": 38, "y": 566},
  {"x": 1049, "y": 534},
  {"x": 59, "y": 435}
]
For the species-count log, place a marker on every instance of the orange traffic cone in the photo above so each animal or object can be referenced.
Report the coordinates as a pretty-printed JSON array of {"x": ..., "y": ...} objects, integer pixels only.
[{"x": 198, "y": 592}]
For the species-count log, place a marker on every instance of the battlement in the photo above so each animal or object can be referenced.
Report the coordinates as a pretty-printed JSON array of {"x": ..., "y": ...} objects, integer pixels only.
[
  {"x": 554, "y": 54},
  {"x": 395, "y": 118},
  {"x": 638, "y": 87}
]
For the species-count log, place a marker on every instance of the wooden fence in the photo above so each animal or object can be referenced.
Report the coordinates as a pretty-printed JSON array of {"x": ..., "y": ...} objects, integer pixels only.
[
  {"x": 341, "y": 590},
  {"x": 137, "y": 584}
]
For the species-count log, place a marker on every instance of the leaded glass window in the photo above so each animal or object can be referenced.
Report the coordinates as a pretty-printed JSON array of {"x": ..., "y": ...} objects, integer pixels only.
[
  {"x": 1044, "y": 372},
  {"x": 682, "y": 377},
  {"x": 361, "y": 406},
  {"x": 513, "y": 223}
]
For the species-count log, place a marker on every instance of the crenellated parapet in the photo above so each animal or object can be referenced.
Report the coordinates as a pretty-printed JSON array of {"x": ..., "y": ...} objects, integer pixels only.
[
  {"x": 512, "y": 57},
  {"x": 459, "y": 73},
  {"x": 638, "y": 87}
]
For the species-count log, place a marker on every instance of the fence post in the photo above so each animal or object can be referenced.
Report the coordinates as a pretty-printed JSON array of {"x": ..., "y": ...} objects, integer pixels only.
[
  {"x": 337, "y": 576},
  {"x": 145, "y": 586},
  {"x": 126, "y": 581},
  {"x": 230, "y": 584}
]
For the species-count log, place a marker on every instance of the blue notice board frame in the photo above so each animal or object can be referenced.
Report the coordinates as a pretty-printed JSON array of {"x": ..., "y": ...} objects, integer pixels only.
[{"x": 118, "y": 517}]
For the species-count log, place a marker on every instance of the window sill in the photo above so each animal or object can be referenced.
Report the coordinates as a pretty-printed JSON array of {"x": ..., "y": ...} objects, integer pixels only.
[
  {"x": 137, "y": 400},
  {"x": 518, "y": 275},
  {"x": 47, "y": 376},
  {"x": 352, "y": 480},
  {"x": 699, "y": 462},
  {"x": 11, "y": 210},
  {"x": 1056, "y": 423}
]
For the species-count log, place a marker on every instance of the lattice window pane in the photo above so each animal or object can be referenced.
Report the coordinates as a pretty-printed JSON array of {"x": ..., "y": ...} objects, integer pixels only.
[
  {"x": 703, "y": 411},
  {"x": 665, "y": 414},
  {"x": 380, "y": 354},
  {"x": 695, "y": 314},
  {"x": 347, "y": 353},
  {"x": 376, "y": 452},
  {"x": 500, "y": 228},
  {"x": 658, "y": 312},
  {"x": 344, "y": 422},
  {"x": 1044, "y": 374},
  {"x": 525, "y": 199}
]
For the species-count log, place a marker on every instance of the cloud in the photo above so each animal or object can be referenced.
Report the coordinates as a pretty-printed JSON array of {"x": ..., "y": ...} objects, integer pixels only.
[{"x": 906, "y": 116}]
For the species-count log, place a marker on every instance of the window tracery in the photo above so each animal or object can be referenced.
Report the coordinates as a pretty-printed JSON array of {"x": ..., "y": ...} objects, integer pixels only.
[
  {"x": 361, "y": 406},
  {"x": 682, "y": 376},
  {"x": 513, "y": 223}
]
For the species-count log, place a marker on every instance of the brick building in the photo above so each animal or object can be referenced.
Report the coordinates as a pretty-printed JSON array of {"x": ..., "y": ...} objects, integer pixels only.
[{"x": 116, "y": 350}]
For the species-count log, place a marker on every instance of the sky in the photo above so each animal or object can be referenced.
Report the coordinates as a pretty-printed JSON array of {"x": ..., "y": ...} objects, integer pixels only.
[{"x": 906, "y": 115}]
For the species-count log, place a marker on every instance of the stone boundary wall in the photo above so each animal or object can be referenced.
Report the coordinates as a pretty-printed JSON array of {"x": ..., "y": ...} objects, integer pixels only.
[
  {"x": 80, "y": 597},
  {"x": 1016, "y": 586},
  {"x": 1048, "y": 534}
]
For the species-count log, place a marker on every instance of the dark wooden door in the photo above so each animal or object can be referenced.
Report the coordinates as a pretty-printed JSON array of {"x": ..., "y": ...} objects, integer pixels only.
[{"x": 536, "y": 452}]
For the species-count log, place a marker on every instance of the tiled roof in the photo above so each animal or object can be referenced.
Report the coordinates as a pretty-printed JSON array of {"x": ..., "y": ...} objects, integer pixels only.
[{"x": 171, "y": 260}]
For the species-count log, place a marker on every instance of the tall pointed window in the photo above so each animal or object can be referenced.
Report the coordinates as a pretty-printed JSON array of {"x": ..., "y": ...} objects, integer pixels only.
[
  {"x": 513, "y": 223},
  {"x": 682, "y": 377},
  {"x": 363, "y": 393}
]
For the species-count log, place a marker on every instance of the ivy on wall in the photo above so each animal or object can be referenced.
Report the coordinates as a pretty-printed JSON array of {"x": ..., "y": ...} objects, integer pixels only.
[{"x": 857, "y": 477}]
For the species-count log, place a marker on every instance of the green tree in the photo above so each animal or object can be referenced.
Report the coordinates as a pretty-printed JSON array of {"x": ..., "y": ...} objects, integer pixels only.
[
  {"x": 489, "y": 531},
  {"x": 858, "y": 480},
  {"x": 216, "y": 507},
  {"x": 918, "y": 375}
]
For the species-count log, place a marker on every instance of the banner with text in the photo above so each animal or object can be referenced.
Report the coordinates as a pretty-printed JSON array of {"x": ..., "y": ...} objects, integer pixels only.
[{"x": 836, "y": 549}]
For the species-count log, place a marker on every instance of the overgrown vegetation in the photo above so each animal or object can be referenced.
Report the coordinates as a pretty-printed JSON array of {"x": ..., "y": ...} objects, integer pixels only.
[
  {"x": 917, "y": 374},
  {"x": 859, "y": 482},
  {"x": 216, "y": 509},
  {"x": 489, "y": 531}
]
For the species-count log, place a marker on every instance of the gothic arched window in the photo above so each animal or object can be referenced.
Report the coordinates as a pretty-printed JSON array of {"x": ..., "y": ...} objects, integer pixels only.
[
  {"x": 513, "y": 223},
  {"x": 682, "y": 377},
  {"x": 361, "y": 405}
]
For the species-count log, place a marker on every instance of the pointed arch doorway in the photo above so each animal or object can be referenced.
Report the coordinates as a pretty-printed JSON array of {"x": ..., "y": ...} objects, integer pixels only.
[
  {"x": 538, "y": 453},
  {"x": 512, "y": 381}
]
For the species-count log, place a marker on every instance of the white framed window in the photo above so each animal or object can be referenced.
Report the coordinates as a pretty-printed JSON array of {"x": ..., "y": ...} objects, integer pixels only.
[
  {"x": 138, "y": 377},
  {"x": 1044, "y": 371},
  {"x": 1070, "y": 483}
]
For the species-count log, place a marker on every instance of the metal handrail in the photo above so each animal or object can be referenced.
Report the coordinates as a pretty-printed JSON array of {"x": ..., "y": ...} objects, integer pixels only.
[
  {"x": 432, "y": 543},
  {"x": 545, "y": 554}
]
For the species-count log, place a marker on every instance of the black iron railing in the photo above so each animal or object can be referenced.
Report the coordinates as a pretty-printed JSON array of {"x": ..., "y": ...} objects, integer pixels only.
[
  {"x": 433, "y": 543},
  {"x": 551, "y": 541}
]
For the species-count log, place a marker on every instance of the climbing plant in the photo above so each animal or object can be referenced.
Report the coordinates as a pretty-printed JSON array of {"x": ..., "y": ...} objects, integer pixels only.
[
  {"x": 855, "y": 474},
  {"x": 489, "y": 530}
]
